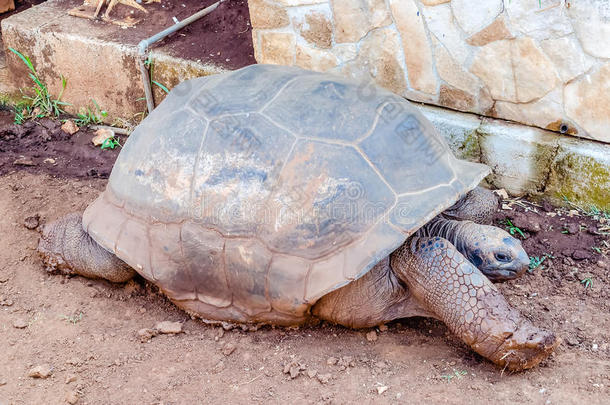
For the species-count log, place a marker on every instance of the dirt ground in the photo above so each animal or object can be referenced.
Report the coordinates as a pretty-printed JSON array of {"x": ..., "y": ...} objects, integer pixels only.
[{"x": 86, "y": 331}]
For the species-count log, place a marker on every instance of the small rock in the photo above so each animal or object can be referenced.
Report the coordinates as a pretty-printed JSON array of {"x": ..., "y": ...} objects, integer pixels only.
[
  {"x": 331, "y": 361},
  {"x": 294, "y": 372},
  {"x": 101, "y": 135},
  {"x": 581, "y": 255},
  {"x": 6, "y": 302},
  {"x": 311, "y": 373},
  {"x": 24, "y": 161},
  {"x": 347, "y": 361},
  {"x": 371, "y": 336},
  {"x": 69, "y": 127},
  {"x": 381, "y": 389},
  {"x": 75, "y": 361},
  {"x": 50, "y": 161},
  {"x": 168, "y": 327},
  {"x": 228, "y": 349},
  {"x": 71, "y": 378},
  {"x": 383, "y": 328},
  {"x": 594, "y": 347},
  {"x": 146, "y": 334},
  {"x": 32, "y": 222},
  {"x": 324, "y": 378},
  {"x": 41, "y": 371},
  {"x": 72, "y": 397},
  {"x": 601, "y": 264},
  {"x": 2, "y": 382},
  {"x": 572, "y": 341},
  {"x": 501, "y": 193},
  {"x": 20, "y": 324},
  {"x": 573, "y": 228}
]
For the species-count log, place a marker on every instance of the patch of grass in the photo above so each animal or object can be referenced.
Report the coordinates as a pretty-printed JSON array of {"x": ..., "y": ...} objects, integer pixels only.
[
  {"x": 587, "y": 282},
  {"x": 90, "y": 117},
  {"x": 455, "y": 374},
  {"x": 73, "y": 319},
  {"x": 512, "y": 229},
  {"x": 591, "y": 210},
  {"x": 41, "y": 103}
]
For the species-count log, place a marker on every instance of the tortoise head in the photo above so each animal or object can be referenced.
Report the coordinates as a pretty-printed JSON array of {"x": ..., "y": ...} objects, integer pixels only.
[{"x": 497, "y": 254}]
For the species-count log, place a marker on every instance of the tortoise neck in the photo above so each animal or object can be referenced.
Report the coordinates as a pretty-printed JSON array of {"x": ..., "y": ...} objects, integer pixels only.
[{"x": 456, "y": 232}]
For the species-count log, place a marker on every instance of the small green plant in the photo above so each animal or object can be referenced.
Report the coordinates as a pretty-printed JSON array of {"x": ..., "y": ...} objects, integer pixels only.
[
  {"x": 512, "y": 229},
  {"x": 110, "y": 143},
  {"x": 587, "y": 282},
  {"x": 41, "y": 104},
  {"x": 73, "y": 319},
  {"x": 150, "y": 64},
  {"x": 90, "y": 117},
  {"x": 536, "y": 262},
  {"x": 456, "y": 373},
  {"x": 598, "y": 250}
]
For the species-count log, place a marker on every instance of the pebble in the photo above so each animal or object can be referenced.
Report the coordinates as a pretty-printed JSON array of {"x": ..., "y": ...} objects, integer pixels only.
[
  {"x": 168, "y": 327},
  {"x": 594, "y": 347},
  {"x": 228, "y": 349},
  {"x": 75, "y": 361},
  {"x": 24, "y": 161},
  {"x": 371, "y": 336},
  {"x": 69, "y": 127},
  {"x": 20, "y": 324},
  {"x": 572, "y": 341},
  {"x": 311, "y": 373},
  {"x": 71, "y": 378},
  {"x": 71, "y": 397},
  {"x": 382, "y": 389},
  {"x": 573, "y": 228},
  {"x": 383, "y": 328},
  {"x": 101, "y": 135},
  {"x": 581, "y": 255},
  {"x": 2, "y": 382},
  {"x": 41, "y": 371},
  {"x": 324, "y": 378},
  {"x": 32, "y": 222},
  {"x": 331, "y": 361},
  {"x": 146, "y": 334}
]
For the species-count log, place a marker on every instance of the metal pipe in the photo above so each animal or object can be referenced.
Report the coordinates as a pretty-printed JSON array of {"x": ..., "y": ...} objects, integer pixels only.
[{"x": 145, "y": 43}]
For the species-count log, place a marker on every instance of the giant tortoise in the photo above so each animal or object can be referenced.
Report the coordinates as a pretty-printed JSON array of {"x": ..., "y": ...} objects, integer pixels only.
[{"x": 277, "y": 195}]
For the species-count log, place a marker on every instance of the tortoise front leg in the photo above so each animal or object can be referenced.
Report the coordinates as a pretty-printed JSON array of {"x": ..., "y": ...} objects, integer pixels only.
[{"x": 450, "y": 287}]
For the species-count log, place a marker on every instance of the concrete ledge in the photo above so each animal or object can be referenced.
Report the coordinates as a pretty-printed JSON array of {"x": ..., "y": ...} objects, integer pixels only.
[
  {"x": 527, "y": 160},
  {"x": 96, "y": 64}
]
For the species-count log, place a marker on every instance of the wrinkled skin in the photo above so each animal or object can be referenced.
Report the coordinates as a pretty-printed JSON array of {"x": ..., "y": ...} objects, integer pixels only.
[
  {"x": 492, "y": 250},
  {"x": 429, "y": 277}
]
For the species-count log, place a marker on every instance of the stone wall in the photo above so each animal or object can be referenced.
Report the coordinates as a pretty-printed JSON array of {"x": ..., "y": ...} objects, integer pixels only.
[{"x": 545, "y": 64}]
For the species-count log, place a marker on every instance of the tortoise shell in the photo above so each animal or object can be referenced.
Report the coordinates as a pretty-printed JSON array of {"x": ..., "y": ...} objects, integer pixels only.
[{"x": 248, "y": 195}]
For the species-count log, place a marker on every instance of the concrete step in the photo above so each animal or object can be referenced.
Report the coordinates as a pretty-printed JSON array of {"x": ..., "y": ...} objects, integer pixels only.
[{"x": 98, "y": 59}]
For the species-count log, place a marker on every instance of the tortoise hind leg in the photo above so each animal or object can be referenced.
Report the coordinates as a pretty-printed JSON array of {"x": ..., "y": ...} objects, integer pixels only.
[
  {"x": 449, "y": 286},
  {"x": 66, "y": 248}
]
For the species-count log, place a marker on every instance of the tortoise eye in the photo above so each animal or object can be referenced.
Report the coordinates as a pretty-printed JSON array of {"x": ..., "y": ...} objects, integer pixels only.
[{"x": 501, "y": 257}]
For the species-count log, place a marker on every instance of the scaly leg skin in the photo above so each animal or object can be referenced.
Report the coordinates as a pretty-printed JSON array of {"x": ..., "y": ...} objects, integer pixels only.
[
  {"x": 457, "y": 293},
  {"x": 66, "y": 248},
  {"x": 479, "y": 206}
]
